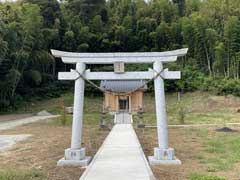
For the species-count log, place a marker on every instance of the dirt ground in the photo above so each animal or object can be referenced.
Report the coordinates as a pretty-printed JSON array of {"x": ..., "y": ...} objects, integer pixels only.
[
  {"x": 49, "y": 139},
  {"x": 46, "y": 147},
  {"x": 183, "y": 146},
  {"x": 9, "y": 117},
  {"x": 189, "y": 148}
]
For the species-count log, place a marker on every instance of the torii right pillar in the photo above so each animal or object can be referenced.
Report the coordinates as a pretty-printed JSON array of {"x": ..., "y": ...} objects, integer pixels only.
[{"x": 162, "y": 154}]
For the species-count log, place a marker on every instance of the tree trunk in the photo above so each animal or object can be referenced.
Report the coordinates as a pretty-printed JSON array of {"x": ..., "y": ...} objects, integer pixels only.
[
  {"x": 228, "y": 63},
  {"x": 208, "y": 60},
  {"x": 236, "y": 69},
  {"x": 54, "y": 68}
]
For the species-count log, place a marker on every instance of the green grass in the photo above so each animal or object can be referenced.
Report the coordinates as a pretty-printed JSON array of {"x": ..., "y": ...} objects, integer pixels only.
[
  {"x": 91, "y": 104},
  {"x": 224, "y": 151},
  {"x": 205, "y": 177},
  {"x": 88, "y": 119},
  {"x": 220, "y": 150},
  {"x": 92, "y": 108},
  {"x": 197, "y": 108},
  {"x": 203, "y": 133},
  {"x": 33, "y": 174}
]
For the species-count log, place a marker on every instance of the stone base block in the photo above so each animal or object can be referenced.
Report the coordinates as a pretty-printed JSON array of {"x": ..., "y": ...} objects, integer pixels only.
[
  {"x": 75, "y": 154},
  {"x": 83, "y": 162},
  {"x": 164, "y": 156},
  {"x": 74, "y": 157}
]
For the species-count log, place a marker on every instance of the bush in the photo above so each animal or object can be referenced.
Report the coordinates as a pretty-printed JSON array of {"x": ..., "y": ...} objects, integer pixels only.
[
  {"x": 33, "y": 77},
  {"x": 47, "y": 78},
  {"x": 181, "y": 114},
  {"x": 83, "y": 47},
  {"x": 221, "y": 86},
  {"x": 4, "y": 103},
  {"x": 191, "y": 80}
]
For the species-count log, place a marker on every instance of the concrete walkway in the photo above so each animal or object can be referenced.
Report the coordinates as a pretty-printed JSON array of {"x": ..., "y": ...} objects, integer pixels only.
[
  {"x": 123, "y": 118},
  {"x": 119, "y": 158},
  {"x": 12, "y": 124}
]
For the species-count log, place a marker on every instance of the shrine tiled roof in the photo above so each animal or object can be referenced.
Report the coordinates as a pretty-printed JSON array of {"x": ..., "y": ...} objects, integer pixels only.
[{"x": 122, "y": 85}]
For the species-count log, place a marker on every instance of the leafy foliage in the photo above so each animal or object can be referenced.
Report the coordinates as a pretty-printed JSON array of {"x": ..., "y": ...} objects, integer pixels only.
[{"x": 30, "y": 28}]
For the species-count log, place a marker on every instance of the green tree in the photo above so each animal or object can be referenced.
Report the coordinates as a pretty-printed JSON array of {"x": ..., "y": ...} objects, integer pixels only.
[
  {"x": 97, "y": 24},
  {"x": 181, "y": 6},
  {"x": 232, "y": 41},
  {"x": 220, "y": 60},
  {"x": 163, "y": 36}
]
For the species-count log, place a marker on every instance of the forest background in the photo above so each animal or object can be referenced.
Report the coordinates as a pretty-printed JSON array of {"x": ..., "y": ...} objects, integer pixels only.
[{"x": 30, "y": 28}]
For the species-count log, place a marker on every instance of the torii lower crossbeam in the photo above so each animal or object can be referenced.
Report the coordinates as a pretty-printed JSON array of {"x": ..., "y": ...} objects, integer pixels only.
[{"x": 113, "y": 76}]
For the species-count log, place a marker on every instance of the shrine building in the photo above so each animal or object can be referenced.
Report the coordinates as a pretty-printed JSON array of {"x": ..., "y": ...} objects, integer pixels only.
[{"x": 117, "y": 99}]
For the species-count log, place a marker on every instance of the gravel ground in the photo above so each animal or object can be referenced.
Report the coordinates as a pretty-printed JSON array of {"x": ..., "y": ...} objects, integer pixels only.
[
  {"x": 11, "y": 117},
  {"x": 14, "y": 123},
  {"x": 8, "y": 141}
]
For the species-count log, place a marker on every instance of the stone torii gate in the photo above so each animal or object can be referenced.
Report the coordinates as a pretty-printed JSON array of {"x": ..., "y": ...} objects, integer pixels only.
[{"x": 75, "y": 155}]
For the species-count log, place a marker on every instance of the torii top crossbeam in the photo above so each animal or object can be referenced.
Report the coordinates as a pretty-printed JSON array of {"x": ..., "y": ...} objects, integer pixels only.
[{"x": 110, "y": 58}]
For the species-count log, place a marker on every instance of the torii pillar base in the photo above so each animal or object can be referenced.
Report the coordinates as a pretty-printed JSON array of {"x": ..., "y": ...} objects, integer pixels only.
[
  {"x": 74, "y": 157},
  {"x": 164, "y": 157}
]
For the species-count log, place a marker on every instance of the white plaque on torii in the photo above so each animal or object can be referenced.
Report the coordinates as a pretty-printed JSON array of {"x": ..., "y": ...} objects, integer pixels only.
[{"x": 75, "y": 155}]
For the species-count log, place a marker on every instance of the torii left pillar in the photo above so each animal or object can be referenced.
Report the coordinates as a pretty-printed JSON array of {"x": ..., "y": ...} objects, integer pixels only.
[{"x": 75, "y": 155}]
